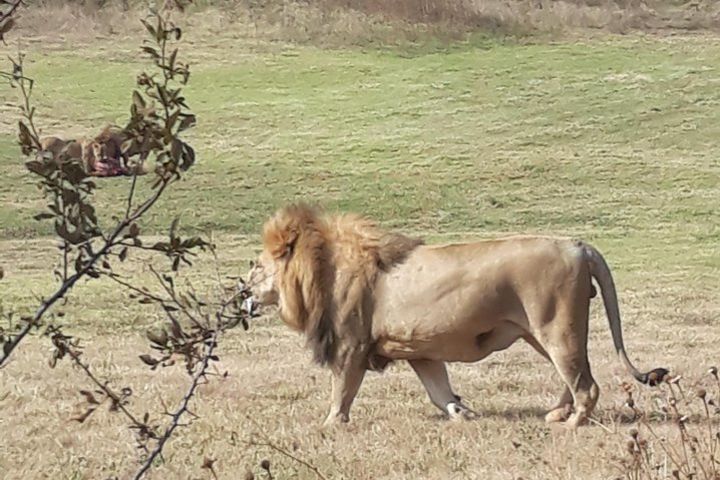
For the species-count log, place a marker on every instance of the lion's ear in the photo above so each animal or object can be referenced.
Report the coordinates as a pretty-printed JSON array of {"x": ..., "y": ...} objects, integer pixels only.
[{"x": 286, "y": 247}]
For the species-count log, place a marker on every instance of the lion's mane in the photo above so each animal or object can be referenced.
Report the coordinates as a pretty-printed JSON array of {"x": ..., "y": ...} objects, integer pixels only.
[{"x": 326, "y": 270}]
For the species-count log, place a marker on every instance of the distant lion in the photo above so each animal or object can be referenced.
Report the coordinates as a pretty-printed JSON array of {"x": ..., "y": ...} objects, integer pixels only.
[
  {"x": 57, "y": 146},
  {"x": 102, "y": 155},
  {"x": 88, "y": 152},
  {"x": 112, "y": 140},
  {"x": 364, "y": 297}
]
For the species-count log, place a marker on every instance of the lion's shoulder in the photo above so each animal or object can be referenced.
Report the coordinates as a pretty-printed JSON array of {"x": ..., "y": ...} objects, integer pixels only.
[{"x": 360, "y": 242}]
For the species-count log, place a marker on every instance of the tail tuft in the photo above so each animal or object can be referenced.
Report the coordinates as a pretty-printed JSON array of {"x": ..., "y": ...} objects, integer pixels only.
[{"x": 654, "y": 377}]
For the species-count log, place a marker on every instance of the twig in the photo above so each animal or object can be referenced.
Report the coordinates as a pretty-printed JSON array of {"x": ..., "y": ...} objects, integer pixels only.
[
  {"x": 182, "y": 409},
  {"x": 282, "y": 451},
  {"x": 267, "y": 443},
  {"x": 132, "y": 193},
  {"x": 173, "y": 295},
  {"x": 116, "y": 278},
  {"x": 11, "y": 11},
  {"x": 70, "y": 282},
  {"x": 211, "y": 344},
  {"x": 600, "y": 424},
  {"x": 117, "y": 401}
]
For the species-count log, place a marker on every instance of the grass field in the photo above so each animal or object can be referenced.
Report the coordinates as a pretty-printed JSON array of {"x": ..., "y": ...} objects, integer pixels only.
[{"x": 614, "y": 139}]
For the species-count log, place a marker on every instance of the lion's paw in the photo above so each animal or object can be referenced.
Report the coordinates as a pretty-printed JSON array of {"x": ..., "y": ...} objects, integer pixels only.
[
  {"x": 559, "y": 414},
  {"x": 333, "y": 420},
  {"x": 457, "y": 411}
]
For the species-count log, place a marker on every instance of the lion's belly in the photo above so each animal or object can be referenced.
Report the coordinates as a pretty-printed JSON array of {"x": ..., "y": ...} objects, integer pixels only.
[
  {"x": 450, "y": 348},
  {"x": 465, "y": 346},
  {"x": 448, "y": 328},
  {"x": 445, "y": 311}
]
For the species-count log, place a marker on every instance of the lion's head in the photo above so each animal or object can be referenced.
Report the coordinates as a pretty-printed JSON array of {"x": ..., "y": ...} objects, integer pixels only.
[
  {"x": 319, "y": 270},
  {"x": 261, "y": 281}
]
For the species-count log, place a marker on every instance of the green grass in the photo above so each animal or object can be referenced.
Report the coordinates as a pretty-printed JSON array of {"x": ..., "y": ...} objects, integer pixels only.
[{"x": 615, "y": 138}]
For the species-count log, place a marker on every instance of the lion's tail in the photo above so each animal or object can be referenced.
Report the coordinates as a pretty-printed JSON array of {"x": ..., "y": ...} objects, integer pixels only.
[{"x": 600, "y": 271}]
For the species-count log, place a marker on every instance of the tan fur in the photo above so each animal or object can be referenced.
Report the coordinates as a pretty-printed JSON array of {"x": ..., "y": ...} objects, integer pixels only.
[
  {"x": 57, "y": 146},
  {"x": 108, "y": 144},
  {"x": 313, "y": 249},
  {"x": 112, "y": 140},
  {"x": 364, "y": 297}
]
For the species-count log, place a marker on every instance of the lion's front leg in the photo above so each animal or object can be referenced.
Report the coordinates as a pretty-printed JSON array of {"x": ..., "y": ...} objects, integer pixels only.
[
  {"x": 434, "y": 377},
  {"x": 345, "y": 385}
]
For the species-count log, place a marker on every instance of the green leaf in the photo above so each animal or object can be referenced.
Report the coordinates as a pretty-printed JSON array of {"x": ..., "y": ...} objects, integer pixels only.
[
  {"x": 160, "y": 30},
  {"x": 161, "y": 246},
  {"x": 172, "y": 119},
  {"x": 173, "y": 226},
  {"x": 38, "y": 168},
  {"x": 44, "y": 216},
  {"x": 149, "y": 28},
  {"x": 5, "y": 27},
  {"x": 188, "y": 121},
  {"x": 170, "y": 308},
  {"x": 162, "y": 94},
  {"x": 89, "y": 397},
  {"x": 134, "y": 230},
  {"x": 176, "y": 150},
  {"x": 151, "y": 51},
  {"x": 81, "y": 418},
  {"x": 148, "y": 360},
  {"x": 188, "y": 157},
  {"x": 158, "y": 337},
  {"x": 173, "y": 56},
  {"x": 28, "y": 143},
  {"x": 138, "y": 100}
]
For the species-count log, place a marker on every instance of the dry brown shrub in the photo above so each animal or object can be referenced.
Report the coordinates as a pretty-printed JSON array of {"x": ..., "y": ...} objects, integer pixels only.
[{"x": 688, "y": 449}]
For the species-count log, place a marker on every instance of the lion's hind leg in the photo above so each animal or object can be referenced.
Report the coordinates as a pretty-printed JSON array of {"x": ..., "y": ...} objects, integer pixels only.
[
  {"x": 576, "y": 373},
  {"x": 569, "y": 355},
  {"x": 562, "y": 409},
  {"x": 434, "y": 378}
]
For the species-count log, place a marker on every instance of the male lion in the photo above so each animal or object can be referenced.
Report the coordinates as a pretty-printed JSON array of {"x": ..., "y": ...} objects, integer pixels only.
[{"x": 364, "y": 297}]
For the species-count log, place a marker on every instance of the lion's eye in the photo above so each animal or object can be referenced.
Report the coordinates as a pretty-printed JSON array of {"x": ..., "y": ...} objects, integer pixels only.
[{"x": 252, "y": 264}]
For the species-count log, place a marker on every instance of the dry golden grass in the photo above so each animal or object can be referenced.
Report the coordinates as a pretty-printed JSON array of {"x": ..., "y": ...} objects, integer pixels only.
[
  {"x": 272, "y": 388},
  {"x": 644, "y": 196},
  {"x": 343, "y": 22}
]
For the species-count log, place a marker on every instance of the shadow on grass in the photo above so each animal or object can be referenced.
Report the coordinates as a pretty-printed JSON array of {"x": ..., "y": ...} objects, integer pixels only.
[{"x": 607, "y": 417}]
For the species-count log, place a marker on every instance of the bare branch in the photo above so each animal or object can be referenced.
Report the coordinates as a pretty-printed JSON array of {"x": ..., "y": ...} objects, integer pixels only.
[
  {"x": 6, "y": 21},
  {"x": 182, "y": 408},
  {"x": 4, "y": 15},
  {"x": 117, "y": 279},
  {"x": 116, "y": 399},
  {"x": 72, "y": 280},
  {"x": 267, "y": 443}
]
